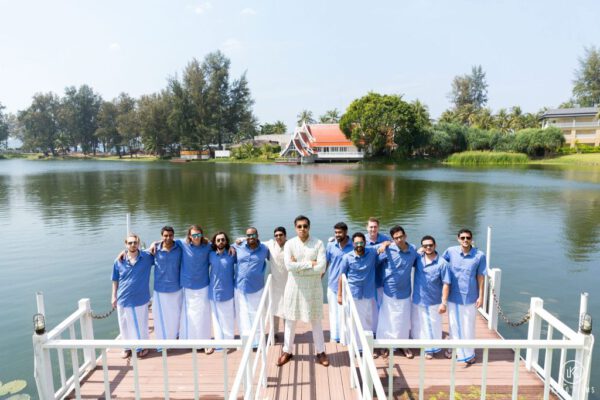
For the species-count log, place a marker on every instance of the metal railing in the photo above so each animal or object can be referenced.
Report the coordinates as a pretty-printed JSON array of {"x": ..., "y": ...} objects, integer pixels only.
[
  {"x": 50, "y": 348},
  {"x": 360, "y": 349},
  {"x": 575, "y": 124}
]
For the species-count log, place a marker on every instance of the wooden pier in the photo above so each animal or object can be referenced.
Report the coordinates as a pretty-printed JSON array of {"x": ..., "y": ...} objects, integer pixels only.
[{"x": 302, "y": 378}]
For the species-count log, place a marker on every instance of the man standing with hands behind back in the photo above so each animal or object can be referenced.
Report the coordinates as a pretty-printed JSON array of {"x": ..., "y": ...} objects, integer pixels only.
[{"x": 303, "y": 298}]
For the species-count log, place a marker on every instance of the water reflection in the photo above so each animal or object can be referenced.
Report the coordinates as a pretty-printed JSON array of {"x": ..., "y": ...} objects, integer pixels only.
[{"x": 582, "y": 224}]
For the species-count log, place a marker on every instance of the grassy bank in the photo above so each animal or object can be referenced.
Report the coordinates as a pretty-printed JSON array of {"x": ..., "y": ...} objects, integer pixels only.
[
  {"x": 487, "y": 158},
  {"x": 591, "y": 159}
]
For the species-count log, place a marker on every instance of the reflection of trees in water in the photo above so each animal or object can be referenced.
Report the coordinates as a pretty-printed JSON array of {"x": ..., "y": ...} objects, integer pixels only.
[
  {"x": 388, "y": 197},
  {"x": 582, "y": 223},
  {"x": 4, "y": 195},
  {"x": 179, "y": 195},
  {"x": 461, "y": 202}
]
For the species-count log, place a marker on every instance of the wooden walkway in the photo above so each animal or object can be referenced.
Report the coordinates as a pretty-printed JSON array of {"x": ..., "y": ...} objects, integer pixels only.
[{"x": 302, "y": 378}]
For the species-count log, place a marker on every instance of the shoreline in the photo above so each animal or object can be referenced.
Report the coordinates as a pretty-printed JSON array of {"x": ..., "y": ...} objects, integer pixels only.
[{"x": 581, "y": 159}]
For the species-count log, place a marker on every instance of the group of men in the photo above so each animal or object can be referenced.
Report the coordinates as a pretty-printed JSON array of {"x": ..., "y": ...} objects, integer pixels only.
[{"x": 200, "y": 282}]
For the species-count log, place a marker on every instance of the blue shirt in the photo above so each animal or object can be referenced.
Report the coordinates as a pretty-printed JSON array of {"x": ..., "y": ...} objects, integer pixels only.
[
  {"x": 222, "y": 270},
  {"x": 429, "y": 280},
  {"x": 251, "y": 266},
  {"x": 361, "y": 273},
  {"x": 194, "y": 265},
  {"x": 395, "y": 270},
  {"x": 167, "y": 265},
  {"x": 370, "y": 243},
  {"x": 464, "y": 270},
  {"x": 334, "y": 255},
  {"x": 134, "y": 280}
]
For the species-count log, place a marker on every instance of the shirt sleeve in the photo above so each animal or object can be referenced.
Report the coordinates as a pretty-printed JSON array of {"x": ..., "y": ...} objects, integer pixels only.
[
  {"x": 115, "y": 273},
  {"x": 321, "y": 263},
  {"x": 445, "y": 273},
  {"x": 446, "y": 255},
  {"x": 482, "y": 267},
  {"x": 344, "y": 265}
]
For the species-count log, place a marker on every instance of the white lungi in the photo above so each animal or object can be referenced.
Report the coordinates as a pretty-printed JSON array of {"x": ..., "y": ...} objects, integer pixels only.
[
  {"x": 462, "y": 326},
  {"x": 246, "y": 305},
  {"x": 427, "y": 324},
  {"x": 223, "y": 317},
  {"x": 365, "y": 313},
  {"x": 195, "y": 314},
  {"x": 335, "y": 318},
  {"x": 166, "y": 309},
  {"x": 376, "y": 309},
  {"x": 290, "y": 334},
  {"x": 133, "y": 322},
  {"x": 394, "y": 318}
]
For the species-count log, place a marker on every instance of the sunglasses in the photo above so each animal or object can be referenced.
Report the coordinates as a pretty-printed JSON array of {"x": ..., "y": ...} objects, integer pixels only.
[
  {"x": 428, "y": 245},
  {"x": 196, "y": 235},
  {"x": 465, "y": 238},
  {"x": 359, "y": 244},
  {"x": 219, "y": 240},
  {"x": 302, "y": 226},
  {"x": 131, "y": 243},
  {"x": 252, "y": 235}
]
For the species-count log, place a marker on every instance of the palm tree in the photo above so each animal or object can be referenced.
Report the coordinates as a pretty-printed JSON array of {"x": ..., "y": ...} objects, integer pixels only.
[
  {"x": 482, "y": 119},
  {"x": 305, "y": 117},
  {"x": 516, "y": 119},
  {"x": 502, "y": 121},
  {"x": 330, "y": 117},
  {"x": 279, "y": 128}
]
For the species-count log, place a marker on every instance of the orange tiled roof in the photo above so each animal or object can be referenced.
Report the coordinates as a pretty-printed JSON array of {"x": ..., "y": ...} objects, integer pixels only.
[{"x": 328, "y": 135}]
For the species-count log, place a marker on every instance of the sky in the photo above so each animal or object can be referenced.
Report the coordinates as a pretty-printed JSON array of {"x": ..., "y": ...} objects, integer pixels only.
[{"x": 314, "y": 55}]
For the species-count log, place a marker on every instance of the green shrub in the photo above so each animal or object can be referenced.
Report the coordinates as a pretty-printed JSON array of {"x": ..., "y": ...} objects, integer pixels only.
[{"x": 487, "y": 158}]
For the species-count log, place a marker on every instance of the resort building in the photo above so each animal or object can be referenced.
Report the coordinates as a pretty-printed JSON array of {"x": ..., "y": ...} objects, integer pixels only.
[
  {"x": 319, "y": 143},
  {"x": 579, "y": 125}
]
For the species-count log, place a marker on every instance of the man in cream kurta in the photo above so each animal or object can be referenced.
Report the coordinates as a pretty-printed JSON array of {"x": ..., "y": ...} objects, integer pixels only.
[
  {"x": 303, "y": 298},
  {"x": 279, "y": 272}
]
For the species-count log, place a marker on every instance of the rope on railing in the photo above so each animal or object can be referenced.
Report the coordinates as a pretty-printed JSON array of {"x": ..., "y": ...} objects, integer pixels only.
[{"x": 102, "y": 315}]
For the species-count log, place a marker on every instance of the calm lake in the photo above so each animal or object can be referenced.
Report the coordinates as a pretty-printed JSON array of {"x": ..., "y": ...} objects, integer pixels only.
[{"x": 64, "y": 223}]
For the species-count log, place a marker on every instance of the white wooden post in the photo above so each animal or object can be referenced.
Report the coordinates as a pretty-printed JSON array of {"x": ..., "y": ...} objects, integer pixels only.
[
  {"x": 42, "y": 367},
  {"x": 583, "y": 357},
  {"x": 87, "y": 331},
  {"x": 583, "y": 307},
  {"x": 487, "y": 303},
  {"x": 496, "y": 277},
  {"x": 534, "y": 331},
  {"x": 367, "y": 381}
]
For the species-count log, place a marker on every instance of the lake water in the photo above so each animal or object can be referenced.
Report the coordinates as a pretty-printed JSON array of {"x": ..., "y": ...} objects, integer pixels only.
[{"x": 64, "y": 222}]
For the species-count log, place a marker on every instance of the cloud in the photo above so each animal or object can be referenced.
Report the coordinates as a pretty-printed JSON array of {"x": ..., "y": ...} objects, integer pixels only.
[
  {"x": 203, "y": 7},
  {"x": 231, "y": 44},
  {"x": 248, "y": 11},
  {"x": 114, "y": 47}
]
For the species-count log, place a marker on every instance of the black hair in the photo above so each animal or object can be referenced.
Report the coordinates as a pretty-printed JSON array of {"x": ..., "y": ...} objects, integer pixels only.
[
  {"x": 301, "y": 218},
  {"x": 341, "y": 225},
  {"x": 427, "y": 237},
  {"x": 395, "y": 229}
]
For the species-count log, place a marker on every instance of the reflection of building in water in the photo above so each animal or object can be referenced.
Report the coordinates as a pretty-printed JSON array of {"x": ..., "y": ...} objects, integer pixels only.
[
  {"x": 319, "y": 143},
  {"x": 579, "y": 125}
]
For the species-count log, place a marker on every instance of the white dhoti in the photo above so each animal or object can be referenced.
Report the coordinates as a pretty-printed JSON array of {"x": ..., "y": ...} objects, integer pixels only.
[
  {"x": 365, "y": 313},
  {"x": 376, "y": 308},
  {"x": 195, "y": 314},
  {"x": 133, "y": 322},
  {"x": 335, "y": 318},
  {"x": 394, "y": 318},
  {"x": 462, "y": 326},
  {"x": 246, "y": 305},
  {"x": 427, "y": 324},
  {"x": 166, "y": 309},
  {"x": 223, "y": 318}
]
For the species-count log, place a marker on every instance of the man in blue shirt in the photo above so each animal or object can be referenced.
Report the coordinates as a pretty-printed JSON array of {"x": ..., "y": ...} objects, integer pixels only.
[
  {"x": 359, "y": 268},
  {"x": 249, "y": 279},
  {"x": 430, "y": 296},
  {"x": 467, "y": 274},
  {"x": 166, "y": 303},
  {"x": 334, "y": 254},
  {"x": 221, "y": 287},
  {"x": 195, "y": 311},
  {"x": 374, "y": 239},
  {"x": 131, "y": 292},
  {"x": 398, "y": 260}
]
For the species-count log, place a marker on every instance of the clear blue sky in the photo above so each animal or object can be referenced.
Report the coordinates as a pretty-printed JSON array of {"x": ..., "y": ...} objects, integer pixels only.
[{"x": 307, "y": 54}]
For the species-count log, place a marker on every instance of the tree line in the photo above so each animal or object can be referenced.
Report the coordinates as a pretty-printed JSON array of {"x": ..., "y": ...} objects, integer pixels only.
[{"x": 204, "y": 106}]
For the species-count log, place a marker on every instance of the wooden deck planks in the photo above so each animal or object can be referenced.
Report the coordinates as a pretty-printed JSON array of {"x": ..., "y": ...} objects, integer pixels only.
[{"x": 302, "y": 378}]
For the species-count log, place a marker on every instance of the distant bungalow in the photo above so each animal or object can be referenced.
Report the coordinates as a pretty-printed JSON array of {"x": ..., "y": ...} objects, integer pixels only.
[
  {"x": 319, "y": 143},
  {"x": 579, "y": 125}
]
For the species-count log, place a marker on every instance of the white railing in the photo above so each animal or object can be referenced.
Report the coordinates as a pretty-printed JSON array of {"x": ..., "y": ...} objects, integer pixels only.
[
  {"x": 579, "y": 366},
  {"x": 362, "y": 366},
  {"x": 575, "y": 124},
  {"x": 247, "y": 376},
  {"x": 70, "y": 373}
]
